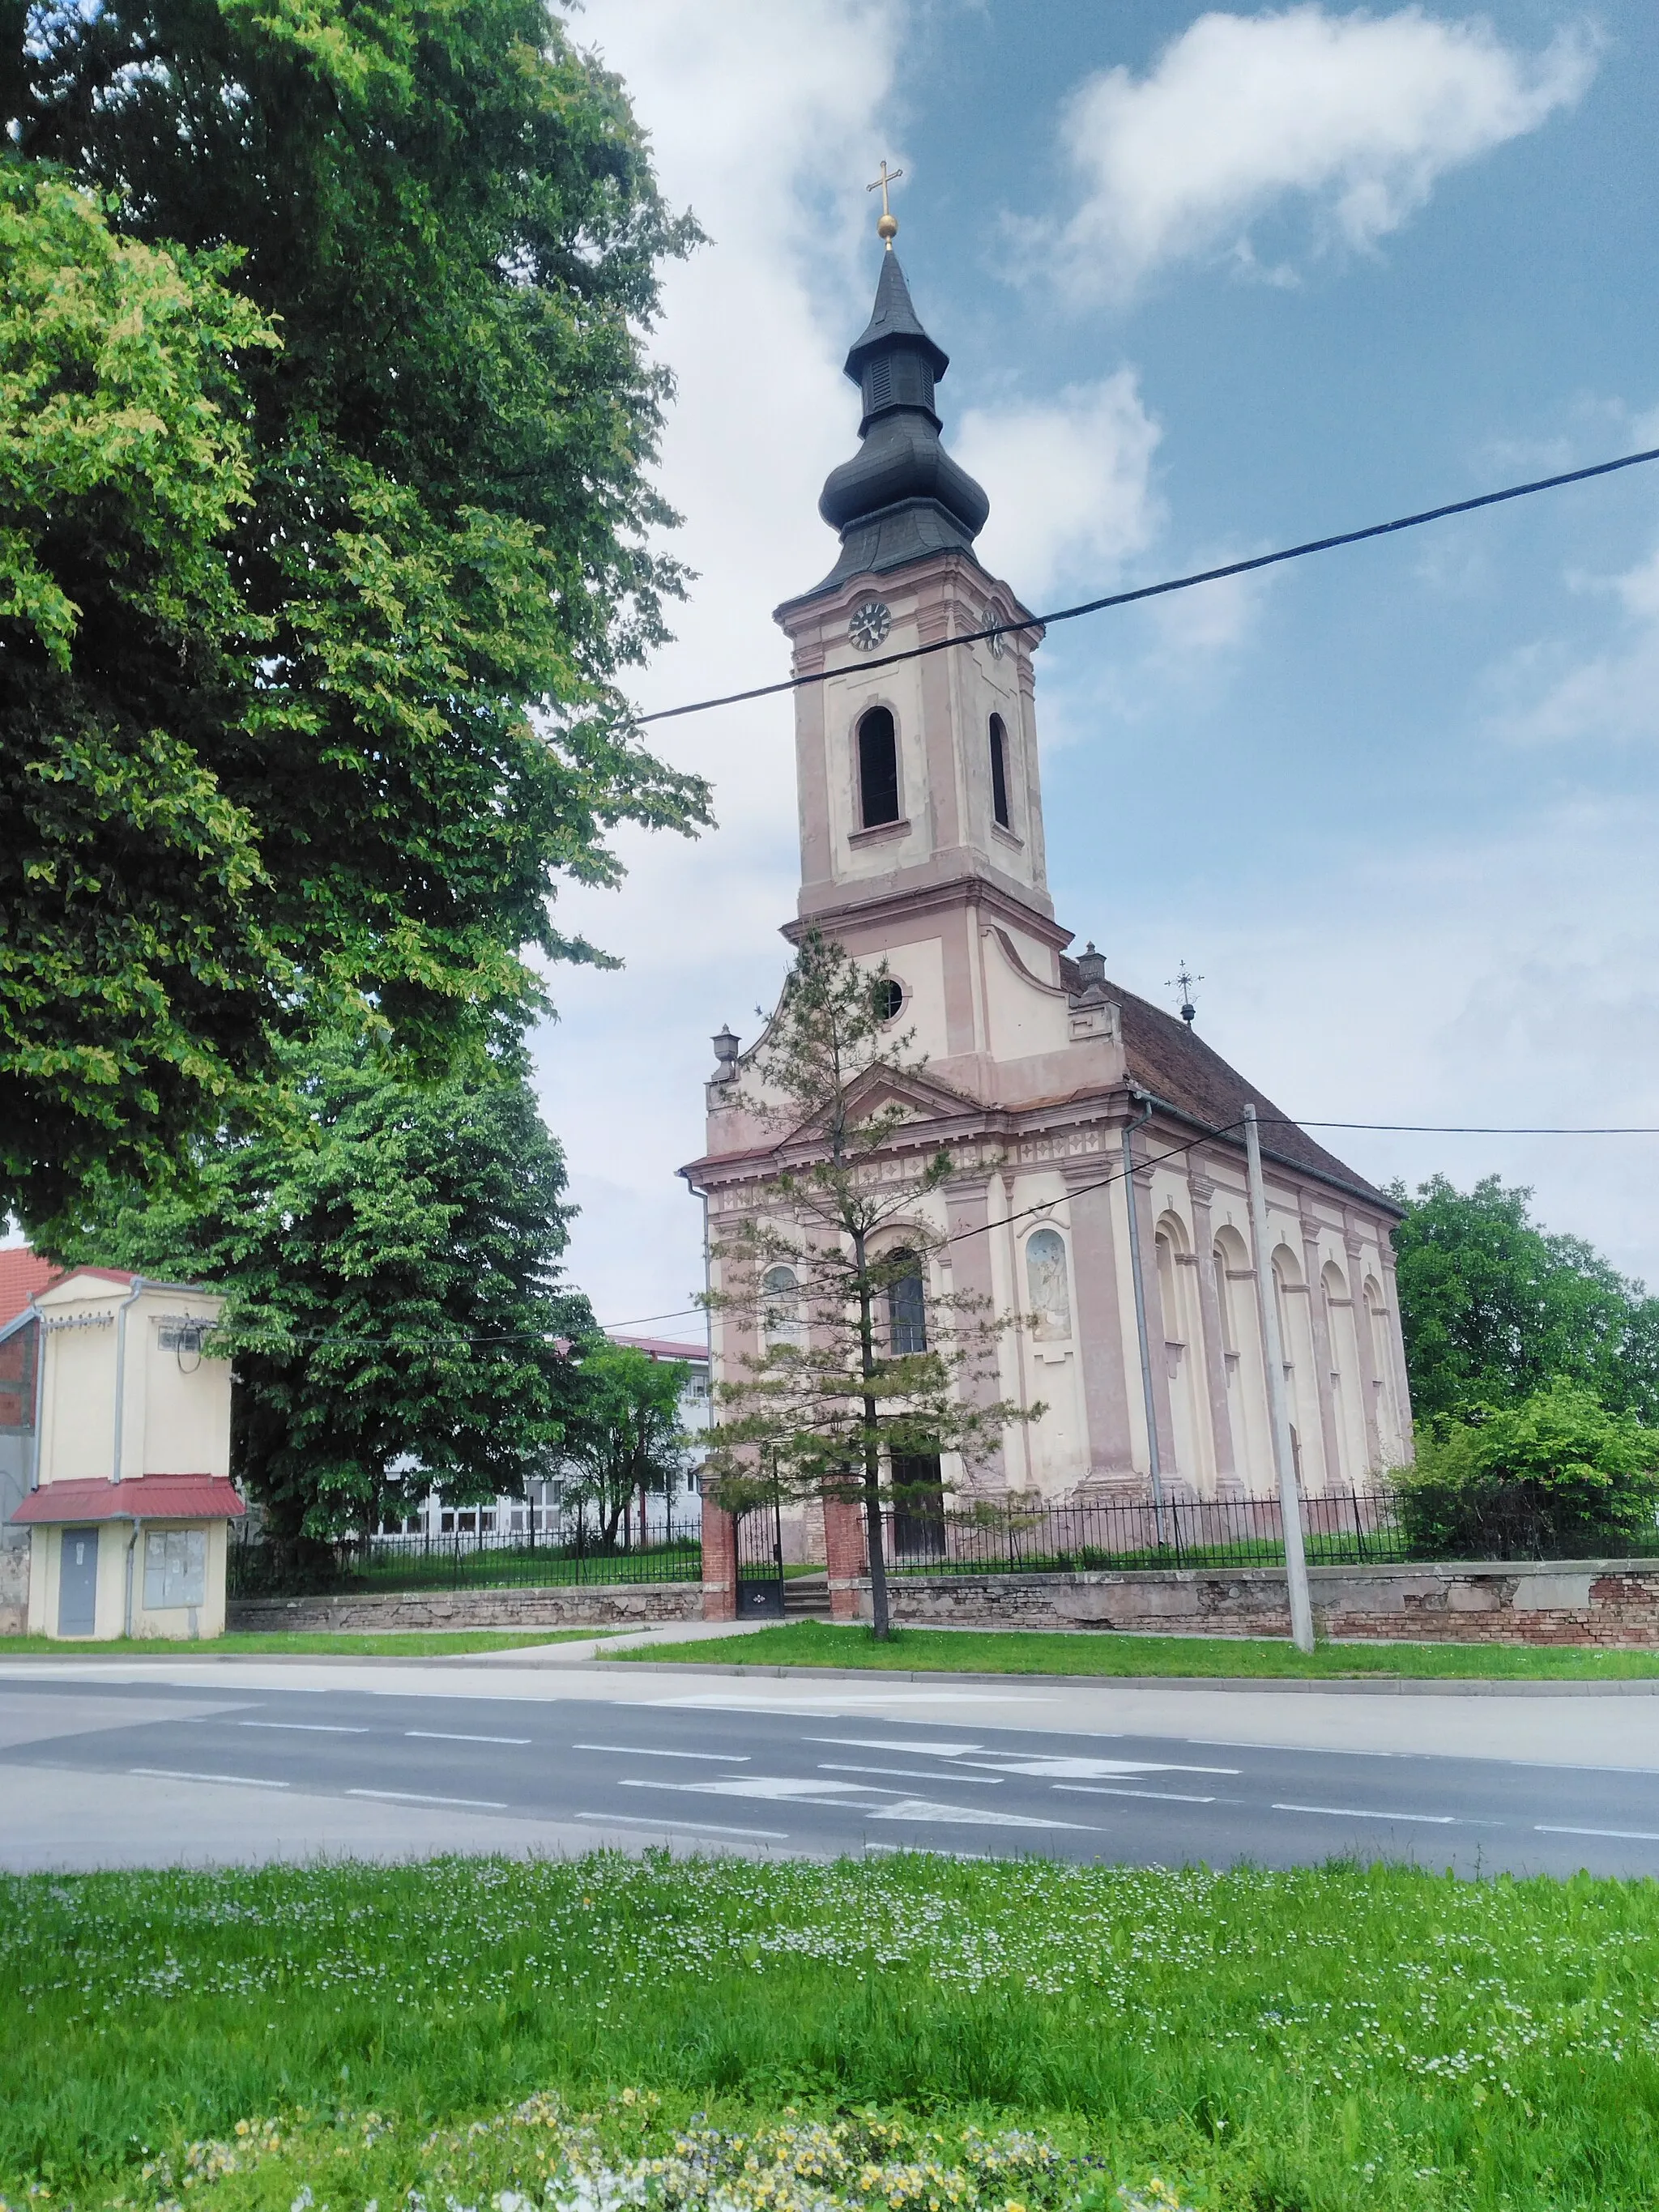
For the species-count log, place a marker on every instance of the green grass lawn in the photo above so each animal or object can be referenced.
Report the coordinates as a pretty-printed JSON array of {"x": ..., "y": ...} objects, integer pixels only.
[
  {"x": 998, "y": 1651},
  {"x": 391, "y": 1643},
  {"x": 479, "y": 2033}
]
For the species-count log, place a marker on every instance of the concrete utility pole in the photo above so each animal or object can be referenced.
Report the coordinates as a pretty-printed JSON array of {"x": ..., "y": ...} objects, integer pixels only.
[{"x": 1290, "y": 1500}]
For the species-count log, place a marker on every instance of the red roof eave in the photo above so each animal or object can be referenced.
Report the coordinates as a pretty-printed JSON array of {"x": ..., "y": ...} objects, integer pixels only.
[{"x": 145, "y": 1497}]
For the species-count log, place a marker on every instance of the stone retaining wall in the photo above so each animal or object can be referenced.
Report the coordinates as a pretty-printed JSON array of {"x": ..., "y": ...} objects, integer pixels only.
[
  {"x": 14, "y": 1589},
  {"x": 605, "y": 1605},
  {"x": 1587, "y": 1602}
]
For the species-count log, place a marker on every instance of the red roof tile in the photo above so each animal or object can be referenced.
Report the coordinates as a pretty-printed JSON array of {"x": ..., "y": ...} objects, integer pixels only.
[
  {"x": 660, "y": 1348},
  {"x": 23, "y": 1275},
  {"x": 1170, "y": 1060},
  {"x": 145, "y": 1498}
]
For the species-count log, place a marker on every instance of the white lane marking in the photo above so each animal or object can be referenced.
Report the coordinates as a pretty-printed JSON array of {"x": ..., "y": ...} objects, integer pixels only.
[
  {"x": 1092, "y": 1768},
  {"x": 978, "y": 1816},
  {"x": 886, "y": 1743},
  {"x": 424, "y": 1797},
  {"x": 909, "y": 1773},
  {"x": 788, "y": 1790},
  {"x": 644, "y": 1751},
  {"x": 824, "y": 1707},
  {"x": 910, "y": 1850},
  {"x": 1359, "y": 1812},
  {"x": 177, "y": 1774},
  {"x": 690, "y": 1828},
  {"x": 1107, "y": 1790},
  {"x": 1623, "y": 1835},
  {"x": 450, "y": 1735},
  {"x": 773, "y": 1786},
  {"x": 308, "y": 1728}
]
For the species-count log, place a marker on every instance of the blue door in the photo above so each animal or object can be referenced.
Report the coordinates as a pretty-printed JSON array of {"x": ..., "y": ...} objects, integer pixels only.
[{"x": 77, "y": 1582}]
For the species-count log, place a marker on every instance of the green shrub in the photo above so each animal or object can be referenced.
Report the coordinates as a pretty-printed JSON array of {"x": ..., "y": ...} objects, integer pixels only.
[{"x": 1557, "y": 1476}]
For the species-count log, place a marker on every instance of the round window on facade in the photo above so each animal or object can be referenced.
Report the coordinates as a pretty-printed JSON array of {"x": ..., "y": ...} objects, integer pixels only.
[{"x": 888, "y": 996}]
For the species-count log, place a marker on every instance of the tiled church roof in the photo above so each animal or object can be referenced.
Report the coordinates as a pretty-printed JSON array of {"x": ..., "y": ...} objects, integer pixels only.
[{"x": 1169, "y": 1058}]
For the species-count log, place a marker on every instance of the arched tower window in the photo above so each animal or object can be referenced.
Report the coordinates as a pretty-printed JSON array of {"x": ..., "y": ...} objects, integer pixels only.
[
  {"x": 1000, "y": 771},
  {"x": 878, "y": 791},
  {"x": 906, "y": 1306}
]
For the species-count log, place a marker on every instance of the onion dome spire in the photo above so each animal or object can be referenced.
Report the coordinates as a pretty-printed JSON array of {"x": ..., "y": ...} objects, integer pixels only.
[{"x": 902, "y": 496}]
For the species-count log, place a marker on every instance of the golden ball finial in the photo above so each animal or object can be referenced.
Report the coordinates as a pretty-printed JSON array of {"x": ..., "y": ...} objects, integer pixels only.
[{"x": 887, "y": 228}]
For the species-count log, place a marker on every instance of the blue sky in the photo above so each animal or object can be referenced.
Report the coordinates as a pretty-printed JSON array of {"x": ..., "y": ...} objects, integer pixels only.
[{"x": 1210, "y": 282}]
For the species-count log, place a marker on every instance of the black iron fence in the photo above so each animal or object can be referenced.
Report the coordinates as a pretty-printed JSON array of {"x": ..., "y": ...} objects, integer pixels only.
[
  {"x": 487, "y": 1559},
  {"x": 1346, "y": 1528}
]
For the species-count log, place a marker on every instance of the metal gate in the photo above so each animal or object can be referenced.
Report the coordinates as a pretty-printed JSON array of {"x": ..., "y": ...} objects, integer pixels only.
[{"x": 760, "y": 1562}]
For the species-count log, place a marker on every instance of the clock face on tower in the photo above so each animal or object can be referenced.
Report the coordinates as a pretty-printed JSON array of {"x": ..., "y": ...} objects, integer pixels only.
[{"x": 868, "y": 624}]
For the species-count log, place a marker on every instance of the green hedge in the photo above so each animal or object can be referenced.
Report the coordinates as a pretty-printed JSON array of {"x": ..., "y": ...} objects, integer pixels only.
[{"x": 1556, "y": 1477}]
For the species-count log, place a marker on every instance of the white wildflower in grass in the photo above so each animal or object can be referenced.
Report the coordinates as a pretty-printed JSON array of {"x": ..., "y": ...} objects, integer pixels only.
[{"x": 1324, "y": 2037}]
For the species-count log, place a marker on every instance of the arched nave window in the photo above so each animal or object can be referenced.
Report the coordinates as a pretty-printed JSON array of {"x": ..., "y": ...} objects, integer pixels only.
[
  {"x": 879, "y": 787},
  {"x": 1229, "y": 1259},
  {"x": 907, "y": 1305},
  {"x": 1049, "y": 1290}
]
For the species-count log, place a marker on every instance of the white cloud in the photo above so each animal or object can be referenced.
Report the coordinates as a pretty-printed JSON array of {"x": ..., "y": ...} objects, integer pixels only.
[
  {"x": 1505, "y": 980},
  {"x": 759, "y": 116},
  {"x": 1355, "y": 116},
  {"x": 1612, "y": 695},
  {"x": 1069, "y": 481}
]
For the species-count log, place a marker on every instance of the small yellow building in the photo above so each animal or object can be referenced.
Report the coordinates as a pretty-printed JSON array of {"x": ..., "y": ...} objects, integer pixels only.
[{"x": 131, "y": 1500}]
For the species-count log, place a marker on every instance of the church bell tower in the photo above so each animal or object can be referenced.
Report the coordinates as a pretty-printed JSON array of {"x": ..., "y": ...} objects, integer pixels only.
[{"x": 920, "y": 801}]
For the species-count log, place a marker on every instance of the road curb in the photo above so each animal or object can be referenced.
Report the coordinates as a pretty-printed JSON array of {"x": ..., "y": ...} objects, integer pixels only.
[{"x": 1362, "y": 1686}]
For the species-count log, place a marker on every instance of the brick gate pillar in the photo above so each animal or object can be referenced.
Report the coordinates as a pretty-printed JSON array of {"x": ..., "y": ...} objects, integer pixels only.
[
  {"x": 844, "y": 1555},
  {"x": 719, "y": 1563}
]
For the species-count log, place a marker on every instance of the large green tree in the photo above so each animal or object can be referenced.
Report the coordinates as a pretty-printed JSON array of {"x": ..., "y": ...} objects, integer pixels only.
[
  {"x": 391, "y": 1253},
  {"x": 1492, "y": 1306},
  {"x": 136, "y": 970},
  {"x": 395, "y": 727}
]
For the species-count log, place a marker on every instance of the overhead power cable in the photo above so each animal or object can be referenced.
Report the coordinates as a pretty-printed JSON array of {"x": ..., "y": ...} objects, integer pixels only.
[
  {"x": 1159, "y": 591},
  {"x": 280, "y": 1337}
]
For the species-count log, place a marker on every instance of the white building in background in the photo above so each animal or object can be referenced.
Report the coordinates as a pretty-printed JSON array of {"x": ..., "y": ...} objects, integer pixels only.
[{"x": 544, "y": 1512}]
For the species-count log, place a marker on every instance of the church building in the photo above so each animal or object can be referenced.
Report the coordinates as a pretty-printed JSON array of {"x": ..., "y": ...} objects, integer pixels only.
[{"x": 921, "y": 841}]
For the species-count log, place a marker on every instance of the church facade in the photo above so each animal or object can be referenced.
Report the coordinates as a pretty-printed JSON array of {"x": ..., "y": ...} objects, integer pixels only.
[{"x": 1098, "y": 1190}]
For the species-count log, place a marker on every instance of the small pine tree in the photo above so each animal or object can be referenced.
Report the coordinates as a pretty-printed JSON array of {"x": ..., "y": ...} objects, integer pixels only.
[{"x": 867, "y": 1372}]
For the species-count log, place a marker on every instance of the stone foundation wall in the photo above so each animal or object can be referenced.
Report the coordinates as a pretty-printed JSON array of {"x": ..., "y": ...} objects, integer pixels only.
[
  {"x": 14, "y": 1589},
  {"x": 1585, "y": 1602},
  {"x": 609, "y": 1605}
]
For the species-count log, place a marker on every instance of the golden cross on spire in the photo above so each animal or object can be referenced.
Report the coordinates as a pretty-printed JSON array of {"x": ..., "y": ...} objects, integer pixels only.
[{"x": 887, "y": 228}]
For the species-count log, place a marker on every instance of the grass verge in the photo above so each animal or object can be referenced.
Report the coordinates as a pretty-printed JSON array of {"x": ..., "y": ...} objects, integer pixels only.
[
  {"x": 1319, "y": 2040},
  {"x": 1009, "y": 1652},
  {"x": 391, "y": 1643}
]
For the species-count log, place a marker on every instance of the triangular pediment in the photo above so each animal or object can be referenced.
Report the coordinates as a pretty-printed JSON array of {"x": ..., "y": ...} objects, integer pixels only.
[{"x": 922, "y": 1097}]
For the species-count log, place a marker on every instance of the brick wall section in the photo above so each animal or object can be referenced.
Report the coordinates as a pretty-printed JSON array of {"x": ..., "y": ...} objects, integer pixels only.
[
  {"x": 613, "y": 1605},
  {"x": 719, "y": 1563},
  {"x": 1613, "y": 1602},
  {"x": 846, "y": 1558}
]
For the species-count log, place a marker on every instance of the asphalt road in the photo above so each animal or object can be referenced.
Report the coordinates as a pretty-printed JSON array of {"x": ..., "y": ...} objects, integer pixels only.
[{"x": 106, "y": 1765}]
